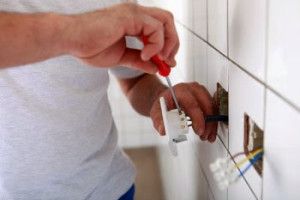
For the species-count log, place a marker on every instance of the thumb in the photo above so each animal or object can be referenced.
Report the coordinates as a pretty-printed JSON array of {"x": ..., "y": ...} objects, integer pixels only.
[{"x": 132, "y": 58}]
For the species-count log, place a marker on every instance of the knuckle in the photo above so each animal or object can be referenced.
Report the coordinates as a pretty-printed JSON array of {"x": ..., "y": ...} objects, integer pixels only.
[
  {"x": 159, "y": 26},
  {"x": 195, "y": 84},
  {"x": 196, "y": 127},
  {"x": 202, "y": 137},
  {"x": 193, "y": 105},
  {"x": 170, "y": 15},
  {"x": 180, "y": 86},
  {"x": 130, "y": 6},
  {"x": 199, "y": 86}
]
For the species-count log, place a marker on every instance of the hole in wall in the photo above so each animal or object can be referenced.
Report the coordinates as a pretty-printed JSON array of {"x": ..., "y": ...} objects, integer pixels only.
[
  {"x": 253, "y": 140},
  {"x": 221, "y": 101}
]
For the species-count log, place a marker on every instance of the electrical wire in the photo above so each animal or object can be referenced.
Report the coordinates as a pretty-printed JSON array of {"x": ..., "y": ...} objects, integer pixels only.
[
  {"x": 253, "y": 161},
  {"x": 242, "y": 176},
  {"x": 249, "y": 157},
  {"x": 238, "y": 154},
  {"x": 243, "y": 153}
]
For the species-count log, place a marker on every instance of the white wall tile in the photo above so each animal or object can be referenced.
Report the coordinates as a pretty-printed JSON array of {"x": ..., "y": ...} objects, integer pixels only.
[
  {"x": 207, "y": 154},
  {"x": 282, "y": 162},
  {"x": 199, "y": 25},
  {"x": 240, "y": 191},
  {"x": 245, "y": 96},
  {"x": 284, "y": 42},
  {"x": 199, "y": 61},
  {"x": 195, "y": 186},
  {"x": 217, "y": 24},
  {"x": 217, "y": 67},
  {"x": 191, "y": 13},
  {"x": 247, "y": 32},
  {"x": 182, "y": 177},
  {"x": 210, "y": 195},
  {"x": 184, "y": 70}
]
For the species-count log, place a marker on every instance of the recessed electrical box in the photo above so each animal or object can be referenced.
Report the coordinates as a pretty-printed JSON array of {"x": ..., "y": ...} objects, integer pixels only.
[
  {"x": 221, "y": 101},
  {"x": 253, "y": 140}
]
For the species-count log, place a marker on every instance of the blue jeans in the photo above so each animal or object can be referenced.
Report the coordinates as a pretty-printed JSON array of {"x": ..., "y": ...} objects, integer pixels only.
[{"x": 129, "y": 195}]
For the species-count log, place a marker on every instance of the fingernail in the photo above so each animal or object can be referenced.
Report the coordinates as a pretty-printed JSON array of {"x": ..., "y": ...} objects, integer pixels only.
[
  {"x": 211, "y": 138},
  {"x": 171, "y": 63},
  {"x": 202, "y": 137},
  {"x": 160, "y": 130},
  {"x": 201, "y": 132}
]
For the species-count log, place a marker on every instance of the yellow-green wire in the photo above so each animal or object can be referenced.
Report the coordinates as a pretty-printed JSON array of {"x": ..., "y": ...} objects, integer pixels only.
[{"x": 250, "y": 156}]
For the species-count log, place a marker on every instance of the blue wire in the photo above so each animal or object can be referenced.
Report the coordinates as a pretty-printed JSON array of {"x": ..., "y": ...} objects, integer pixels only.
[{"x": 252, "y": 162}]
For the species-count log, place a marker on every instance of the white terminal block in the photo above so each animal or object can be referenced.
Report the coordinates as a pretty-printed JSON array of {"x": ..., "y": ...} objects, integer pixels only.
[
  {"x": 175, "y": 124},
  {"x": 224, "y": 172}
]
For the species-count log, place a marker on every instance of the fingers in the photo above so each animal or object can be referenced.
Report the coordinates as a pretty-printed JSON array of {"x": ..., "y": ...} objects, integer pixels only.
[
  {"x": 196, "y": 102},
  {"x": 205, "y": 101},
  {"x": 158, "y": 26},
  {"x": 171, "y": 59},
  {"x": 131, "y": 58},
  {"x": 203, "y": 97},
  {"x": 171, "y": 40},
  {"x": 190, "y": 106},
  {"x": 157, "y": 119},
  {"x": 192, "y": 109},
  {"x": 154, "y": 31}
]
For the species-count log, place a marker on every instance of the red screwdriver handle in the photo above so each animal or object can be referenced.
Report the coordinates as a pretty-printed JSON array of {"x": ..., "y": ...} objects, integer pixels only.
[{"x": 163, "y": 68}]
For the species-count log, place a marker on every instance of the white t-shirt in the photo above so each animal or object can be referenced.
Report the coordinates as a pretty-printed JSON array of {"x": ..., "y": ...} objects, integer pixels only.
[{"x": 57, "y": 136}]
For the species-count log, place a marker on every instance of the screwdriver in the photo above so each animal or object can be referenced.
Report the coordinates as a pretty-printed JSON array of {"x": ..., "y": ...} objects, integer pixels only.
[{"x": 164, "y": 70}]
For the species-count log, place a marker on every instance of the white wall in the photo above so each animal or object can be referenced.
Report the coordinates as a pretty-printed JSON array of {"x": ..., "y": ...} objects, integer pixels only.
[{"x": 251, "y": 47}]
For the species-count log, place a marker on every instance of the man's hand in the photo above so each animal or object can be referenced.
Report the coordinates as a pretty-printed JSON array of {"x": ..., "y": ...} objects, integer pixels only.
[
  {"x": 144, "y": 92},
  {"x": 98, "y": 38},
  {"x": 196, "y": 102}
]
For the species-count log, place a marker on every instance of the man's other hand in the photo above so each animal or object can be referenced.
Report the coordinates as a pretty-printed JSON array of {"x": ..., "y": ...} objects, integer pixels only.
[{"x": 196, "y": 102}]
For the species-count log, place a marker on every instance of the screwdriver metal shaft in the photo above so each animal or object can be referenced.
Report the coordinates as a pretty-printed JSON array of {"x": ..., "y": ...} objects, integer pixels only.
[{"x": 173, "y": 94}]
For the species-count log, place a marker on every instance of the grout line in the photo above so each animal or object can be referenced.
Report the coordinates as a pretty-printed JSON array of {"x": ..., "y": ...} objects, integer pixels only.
[
  {"x": 250, "y": 188},
  {"x": 227, "y": 31},
  {"x": 207, "y": 19},
  {"x": 204, "y": 174},
  {"x": 267, "y": 3},
  {"x": 290, "y": 103},
  {"x": 206, "y": 179},
  {"x": 228, "y": 152},
  {"x": 227, "y": 46}
]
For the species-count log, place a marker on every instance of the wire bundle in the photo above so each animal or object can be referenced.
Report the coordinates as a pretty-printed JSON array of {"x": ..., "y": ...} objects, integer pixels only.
[{"x": 226, "y": 172}]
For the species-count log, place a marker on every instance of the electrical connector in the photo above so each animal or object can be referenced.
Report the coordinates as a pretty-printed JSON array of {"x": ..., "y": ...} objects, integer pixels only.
[
  {"x": 224, "y": 172},
  {"x": 176, "y": 126},
  {"x": 219, "y": 164}
]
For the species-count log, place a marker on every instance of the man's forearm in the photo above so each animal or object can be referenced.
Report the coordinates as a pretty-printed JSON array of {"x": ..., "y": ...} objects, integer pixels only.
[
  {"x": 142, "y": 92},
  {"x": 28, "y": 38}
]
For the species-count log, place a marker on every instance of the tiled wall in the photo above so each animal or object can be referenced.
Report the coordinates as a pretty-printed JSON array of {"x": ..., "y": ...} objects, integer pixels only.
[{"x": 250, "y": 47}]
